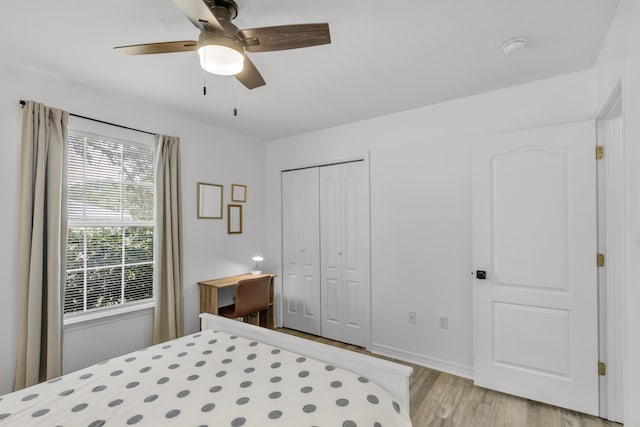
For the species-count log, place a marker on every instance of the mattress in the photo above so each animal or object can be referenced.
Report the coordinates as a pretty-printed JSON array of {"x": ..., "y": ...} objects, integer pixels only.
[{"x": 206, "y": 379}]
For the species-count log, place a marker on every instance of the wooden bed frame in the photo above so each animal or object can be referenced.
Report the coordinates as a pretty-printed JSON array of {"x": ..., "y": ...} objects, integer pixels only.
[{"x": 391, "y": 376}]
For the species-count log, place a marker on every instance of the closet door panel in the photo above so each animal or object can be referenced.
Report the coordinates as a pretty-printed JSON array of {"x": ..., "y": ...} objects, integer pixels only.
[
  {"x": 300, "y": 250},
  {"x": 344, "y": 225},
  {"x": 291, "y": 281},
  {"x": 332, "y": 296},
  {"x": 326, "y": 282},
  {"x": 331, "y": 251},
  {"x": 352, "y": 294},
  {"x": 355, "y": 236}
]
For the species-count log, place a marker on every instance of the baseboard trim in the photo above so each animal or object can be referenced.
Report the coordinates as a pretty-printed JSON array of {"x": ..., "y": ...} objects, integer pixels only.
[{"x": 428, "y": 362}]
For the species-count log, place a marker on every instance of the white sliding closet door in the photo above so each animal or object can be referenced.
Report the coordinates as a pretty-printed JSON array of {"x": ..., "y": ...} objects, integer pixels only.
[
  {"x": 344, "y": 252},
  {"x": 301, "y": 250}
]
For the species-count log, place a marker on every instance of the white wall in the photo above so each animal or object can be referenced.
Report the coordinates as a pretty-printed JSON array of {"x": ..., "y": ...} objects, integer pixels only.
[
  {"x": 619, "y": 60},
  {"x": 208, "y": 154},
  {"x": 421, "y": 206}
]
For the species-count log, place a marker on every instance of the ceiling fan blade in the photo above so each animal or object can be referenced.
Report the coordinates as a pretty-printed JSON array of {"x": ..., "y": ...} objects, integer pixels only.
[
  {"x": 267, "y": 39},
  {"x": 164, "y": 47},
  {"x": 199, "y": 14},
  {"x": 250, "y": 76}
]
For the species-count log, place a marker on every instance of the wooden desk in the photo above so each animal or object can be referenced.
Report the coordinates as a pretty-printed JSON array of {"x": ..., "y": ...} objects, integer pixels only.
[{"x": 209, "y": 293}]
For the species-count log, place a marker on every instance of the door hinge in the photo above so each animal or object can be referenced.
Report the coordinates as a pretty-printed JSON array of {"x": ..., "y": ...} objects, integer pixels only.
[
  {"x": 602, "y": 368},
  {"x": 599, "y": 152},
  {"x": 600, "y": 260}
]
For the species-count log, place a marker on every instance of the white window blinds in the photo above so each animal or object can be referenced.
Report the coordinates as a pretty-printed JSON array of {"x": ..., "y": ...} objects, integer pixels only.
[{"x": 110, "y": 243}]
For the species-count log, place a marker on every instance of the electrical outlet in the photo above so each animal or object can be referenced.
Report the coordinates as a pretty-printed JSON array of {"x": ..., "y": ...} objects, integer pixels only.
[
  {"x": 443, "y": 322},
  {"x": 412, "y": 317}
]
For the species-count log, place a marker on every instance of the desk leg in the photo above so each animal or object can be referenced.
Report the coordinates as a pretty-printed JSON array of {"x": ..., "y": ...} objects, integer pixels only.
[
  {"x": 263, "y": 319},
  {"x": 208, "y": 299},
  {"x": 270, "y": 310},
  {"x": 269, "y": 317}
]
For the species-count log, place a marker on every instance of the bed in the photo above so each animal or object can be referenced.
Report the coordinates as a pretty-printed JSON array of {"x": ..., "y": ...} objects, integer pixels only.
[{"x": 229, "y": 374}]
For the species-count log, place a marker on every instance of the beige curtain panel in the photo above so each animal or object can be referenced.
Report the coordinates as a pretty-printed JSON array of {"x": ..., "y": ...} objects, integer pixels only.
[
  {"x": 168, "y": 321},
  {"x": 43, "y": 235}
]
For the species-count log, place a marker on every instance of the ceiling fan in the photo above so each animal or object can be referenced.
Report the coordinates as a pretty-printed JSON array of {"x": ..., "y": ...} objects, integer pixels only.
[{"x": 222, "y": 46}]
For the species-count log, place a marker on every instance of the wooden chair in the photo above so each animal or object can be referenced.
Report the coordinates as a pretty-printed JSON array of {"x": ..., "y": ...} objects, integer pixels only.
[{"x": 252, "y": 301}]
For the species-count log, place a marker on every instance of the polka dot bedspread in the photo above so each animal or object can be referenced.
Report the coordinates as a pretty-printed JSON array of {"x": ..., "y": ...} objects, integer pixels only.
[{"x": 206, "y": 379}]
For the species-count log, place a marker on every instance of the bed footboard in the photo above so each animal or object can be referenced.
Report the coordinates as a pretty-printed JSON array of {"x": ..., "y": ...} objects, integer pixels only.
[{"x": 393, "y": 377}]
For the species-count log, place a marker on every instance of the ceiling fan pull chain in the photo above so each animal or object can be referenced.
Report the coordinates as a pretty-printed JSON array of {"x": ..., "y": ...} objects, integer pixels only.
[
  {"x": 204, "y": 80},
  {"x": 235, "y": 99}
]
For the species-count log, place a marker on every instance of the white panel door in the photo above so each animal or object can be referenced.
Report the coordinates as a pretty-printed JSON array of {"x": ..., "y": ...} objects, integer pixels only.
[
  {"x": 301, "y": 250},
  {"x": 331, "y": 251},
  {"x": 344, "y": 225},
  {"x": 534, "y": 233}
]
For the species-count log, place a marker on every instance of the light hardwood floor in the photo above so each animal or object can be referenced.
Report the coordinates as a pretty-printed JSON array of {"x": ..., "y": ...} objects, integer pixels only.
[{"x": 444, "y": 400}]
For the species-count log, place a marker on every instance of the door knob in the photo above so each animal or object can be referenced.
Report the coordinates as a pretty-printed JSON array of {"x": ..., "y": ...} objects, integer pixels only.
[{"x": 481, "y": 275}]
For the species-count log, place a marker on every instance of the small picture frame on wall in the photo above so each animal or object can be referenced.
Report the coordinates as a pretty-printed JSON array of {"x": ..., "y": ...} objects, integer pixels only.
[
  {"x": 210, "y": 200},
  {"x": 234, "y": 219},
  {"x": 238, "y": 193}
]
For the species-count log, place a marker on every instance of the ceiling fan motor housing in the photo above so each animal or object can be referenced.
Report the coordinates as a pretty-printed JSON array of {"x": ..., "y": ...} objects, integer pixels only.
[
  {"x": 208, "y": 38},
  {"x": 228, "y": 5},
  {"x": 224, "y": 11}
]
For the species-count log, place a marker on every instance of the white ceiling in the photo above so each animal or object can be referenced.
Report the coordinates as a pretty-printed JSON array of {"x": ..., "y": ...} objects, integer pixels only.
[{"x": 385, "y": 56}]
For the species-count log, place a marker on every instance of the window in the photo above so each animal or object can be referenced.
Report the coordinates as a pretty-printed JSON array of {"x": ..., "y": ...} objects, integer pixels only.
[{"x": 111, "y": 223}]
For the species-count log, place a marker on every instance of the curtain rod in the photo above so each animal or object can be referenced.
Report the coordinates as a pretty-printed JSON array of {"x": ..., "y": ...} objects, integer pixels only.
[{"x": 23, "y": 103}]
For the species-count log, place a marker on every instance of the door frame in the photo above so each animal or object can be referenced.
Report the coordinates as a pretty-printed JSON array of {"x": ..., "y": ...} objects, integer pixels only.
[
  {"x": 612, "y": 228},
  {"x": 319, "y": 162}
]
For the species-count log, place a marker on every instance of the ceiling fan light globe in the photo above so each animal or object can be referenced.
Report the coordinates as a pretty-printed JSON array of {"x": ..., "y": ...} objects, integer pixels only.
[{"x": 221, "y": 60}]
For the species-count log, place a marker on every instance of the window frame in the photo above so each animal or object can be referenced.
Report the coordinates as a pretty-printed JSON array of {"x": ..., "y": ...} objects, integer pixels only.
[{"x": 86, "y": 128}]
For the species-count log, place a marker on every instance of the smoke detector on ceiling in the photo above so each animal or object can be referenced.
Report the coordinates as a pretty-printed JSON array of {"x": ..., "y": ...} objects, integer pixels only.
[{"x": 513, "y": 46}]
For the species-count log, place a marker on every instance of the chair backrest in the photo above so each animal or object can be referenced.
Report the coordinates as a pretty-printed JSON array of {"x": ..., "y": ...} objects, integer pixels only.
[{"x": 252, "y": 295}]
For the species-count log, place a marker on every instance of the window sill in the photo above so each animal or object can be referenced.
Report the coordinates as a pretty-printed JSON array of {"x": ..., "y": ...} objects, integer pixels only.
[{"x": 91, "y": 319}]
